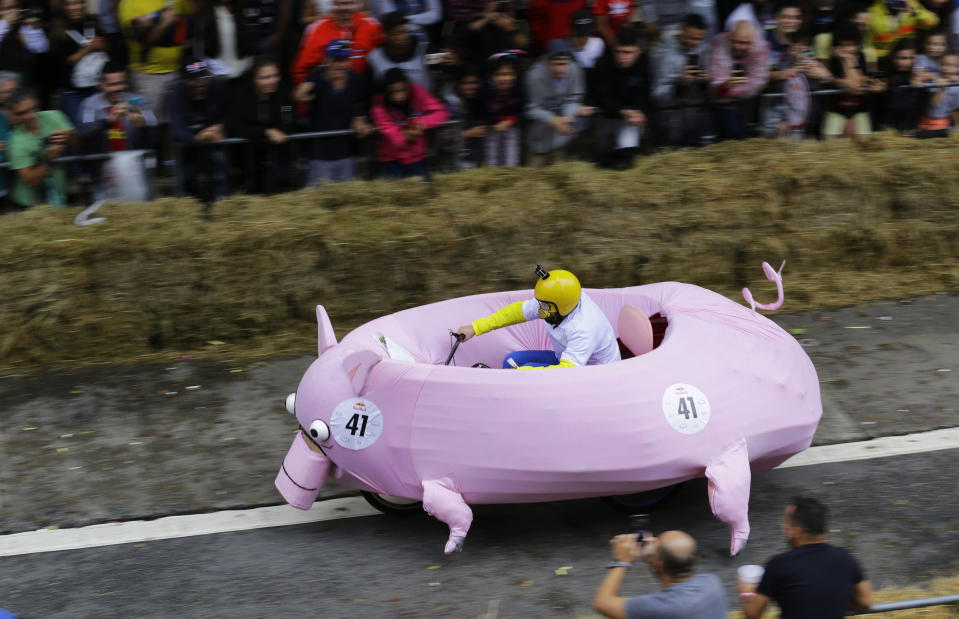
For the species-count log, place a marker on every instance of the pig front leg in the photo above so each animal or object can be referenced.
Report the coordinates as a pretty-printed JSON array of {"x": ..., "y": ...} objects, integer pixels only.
[{"x": 443, "y": 502}]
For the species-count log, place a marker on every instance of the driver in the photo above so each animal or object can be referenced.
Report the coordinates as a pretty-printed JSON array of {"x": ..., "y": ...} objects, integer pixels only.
[{"x": 579, "y": 331}]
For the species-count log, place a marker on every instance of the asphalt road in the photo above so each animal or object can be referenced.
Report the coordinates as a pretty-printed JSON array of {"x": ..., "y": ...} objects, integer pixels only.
[
  {"x": 897, "y": 515},
  {"x": 121, "y": 443}
]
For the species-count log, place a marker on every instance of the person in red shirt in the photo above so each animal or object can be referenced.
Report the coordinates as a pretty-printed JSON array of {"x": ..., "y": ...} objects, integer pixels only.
[
  {"x": 610, "y": 17},
  {"x": 551, "y": 19},
  {"x": 346, "y": 22}
]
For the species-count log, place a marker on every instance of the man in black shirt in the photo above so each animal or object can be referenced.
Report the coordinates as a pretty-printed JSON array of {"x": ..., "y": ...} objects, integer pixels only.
[
  {"x": 621, "y": 93},
  {"x": 198, "y": 105},
  {"x": 338, "y": 101},
  {"x": 814, "y": 579}
]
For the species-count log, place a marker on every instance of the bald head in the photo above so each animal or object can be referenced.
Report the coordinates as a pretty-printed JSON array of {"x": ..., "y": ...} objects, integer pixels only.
[
  {"x": 677, "y": 551},
  {"x": 741, "y": 38}
]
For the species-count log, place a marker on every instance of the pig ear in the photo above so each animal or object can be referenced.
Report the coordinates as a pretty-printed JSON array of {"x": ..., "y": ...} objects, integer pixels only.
[
  {"x": 358, "y": 365},
  {"x": 326, "y": 339}
]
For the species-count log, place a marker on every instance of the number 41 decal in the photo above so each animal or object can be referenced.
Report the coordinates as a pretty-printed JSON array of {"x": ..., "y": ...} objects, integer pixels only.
[
  {"x": 353, "y": 425},
  {"x": 687, "y": 407}
]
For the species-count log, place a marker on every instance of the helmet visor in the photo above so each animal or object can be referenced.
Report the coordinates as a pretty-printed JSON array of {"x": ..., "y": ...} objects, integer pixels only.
[{"x": 545, "y": 307}]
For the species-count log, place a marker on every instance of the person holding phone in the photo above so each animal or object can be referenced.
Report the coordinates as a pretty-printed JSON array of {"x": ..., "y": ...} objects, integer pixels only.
[
  {"x": 681, "y": 84},
  {"x": 115, "y": 119},
  {"x": 672, "y": 558},
  {"x": 738, "y": 72}
]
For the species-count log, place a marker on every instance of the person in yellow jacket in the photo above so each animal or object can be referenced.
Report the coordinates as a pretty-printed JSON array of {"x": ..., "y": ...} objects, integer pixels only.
[
  {"x": 891, "y": 20},
  {"x": 579, "y": 331}
]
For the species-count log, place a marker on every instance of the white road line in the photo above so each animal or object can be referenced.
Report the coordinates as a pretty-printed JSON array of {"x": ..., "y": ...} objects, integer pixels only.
[
  {"x": 884, "y": 447},
  {"x": 52, "y": 540},
  {"x": 46, "y": 540}
]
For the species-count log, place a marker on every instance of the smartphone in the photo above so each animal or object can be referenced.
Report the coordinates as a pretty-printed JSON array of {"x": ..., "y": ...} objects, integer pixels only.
[
  {"x": 692, "y": 60},
  {"x": 639, "y": 524},
  {"x": 435, "y": 58},
  {"x": 741, "y": 67},
  {"x": 503, "y": 7},
  {"x": 135, "y": 101}
]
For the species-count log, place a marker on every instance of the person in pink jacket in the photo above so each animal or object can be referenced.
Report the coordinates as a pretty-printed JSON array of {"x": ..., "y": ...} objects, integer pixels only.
[{"x": 402, "y": 114}]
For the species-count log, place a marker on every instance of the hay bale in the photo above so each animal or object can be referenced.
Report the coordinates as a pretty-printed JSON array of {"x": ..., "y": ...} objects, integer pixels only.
[{"x": 856, "y": 222}]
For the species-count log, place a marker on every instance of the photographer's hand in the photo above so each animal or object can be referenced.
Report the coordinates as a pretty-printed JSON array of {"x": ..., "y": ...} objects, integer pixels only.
[{"x": 625, "y": 547}]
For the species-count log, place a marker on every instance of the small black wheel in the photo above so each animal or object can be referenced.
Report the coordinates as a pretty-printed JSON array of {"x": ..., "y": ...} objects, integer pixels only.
[
  {"x": 393, "y": 504},
  {"x": 633, "y": 503},
  {"x": 480, "y": 365}
]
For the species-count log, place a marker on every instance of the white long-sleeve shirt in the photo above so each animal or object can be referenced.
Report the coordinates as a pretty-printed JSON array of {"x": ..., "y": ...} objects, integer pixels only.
[{"x": 585, "y": 337}]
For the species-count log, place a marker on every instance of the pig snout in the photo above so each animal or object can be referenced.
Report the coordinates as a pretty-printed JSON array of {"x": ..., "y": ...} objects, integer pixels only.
[{"x": 302, "y": 475}]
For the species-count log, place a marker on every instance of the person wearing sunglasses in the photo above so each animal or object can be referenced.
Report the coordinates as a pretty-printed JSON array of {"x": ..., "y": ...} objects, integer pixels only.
[{"x": 579, "y": 332}]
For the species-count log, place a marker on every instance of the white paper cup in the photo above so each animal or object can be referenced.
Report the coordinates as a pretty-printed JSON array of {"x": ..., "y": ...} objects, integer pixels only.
[{"x": 751, "y": 574}]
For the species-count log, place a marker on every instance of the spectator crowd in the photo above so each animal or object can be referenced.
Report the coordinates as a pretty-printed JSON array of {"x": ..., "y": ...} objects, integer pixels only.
[{"x": 526, "y": 82}]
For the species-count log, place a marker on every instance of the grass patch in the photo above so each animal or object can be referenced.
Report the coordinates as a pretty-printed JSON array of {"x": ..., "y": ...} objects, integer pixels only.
[{"x": 856, "y": 222}]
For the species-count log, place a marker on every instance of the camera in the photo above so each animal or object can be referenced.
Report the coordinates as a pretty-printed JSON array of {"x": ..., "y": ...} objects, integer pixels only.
[
  {"x": 436, "y": 58},
  {"x": 739, "y": 66}
]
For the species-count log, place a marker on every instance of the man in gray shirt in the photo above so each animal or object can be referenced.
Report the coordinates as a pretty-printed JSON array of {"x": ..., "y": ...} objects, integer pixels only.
[
  {"x": 672, "y": 558},
  {"x": 681, "y": 85}
]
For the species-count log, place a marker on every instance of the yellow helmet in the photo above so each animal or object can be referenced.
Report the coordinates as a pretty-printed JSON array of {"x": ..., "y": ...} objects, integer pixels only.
[{"x": 557, "y": 290}]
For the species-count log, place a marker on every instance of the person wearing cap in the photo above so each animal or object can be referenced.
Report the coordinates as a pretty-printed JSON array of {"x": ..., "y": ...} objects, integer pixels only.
[
  {"x": 672, "y": 559},
  {"x": 555, "y": 88},
  {"x": 401, "y": 50},
  {"x": 579, "y": 331},
  {"x": 346, "y": 22},
  {"x": 550, "y": 20},
  {"x": 582, "y": 43},
  {"x": 115, "y": 119},
  {"x": 198, "y": 105},
  {"x": 337, "y": 99}
]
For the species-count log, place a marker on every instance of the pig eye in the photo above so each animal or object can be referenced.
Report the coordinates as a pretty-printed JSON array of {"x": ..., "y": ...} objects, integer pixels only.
[{"x": 319, "y": 431}]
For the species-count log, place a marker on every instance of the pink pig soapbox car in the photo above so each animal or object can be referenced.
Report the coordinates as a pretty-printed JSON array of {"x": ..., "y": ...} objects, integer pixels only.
[{"x": 708, "y": 387}]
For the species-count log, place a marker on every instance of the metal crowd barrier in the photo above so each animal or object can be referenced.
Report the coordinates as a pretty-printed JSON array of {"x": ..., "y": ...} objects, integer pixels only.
[
  {"x": 910, "y": 604},
  {"x": 178, "y": 148}
]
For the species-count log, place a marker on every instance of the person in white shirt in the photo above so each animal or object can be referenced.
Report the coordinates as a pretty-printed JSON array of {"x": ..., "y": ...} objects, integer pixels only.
[{"x": 580, "y": 333}]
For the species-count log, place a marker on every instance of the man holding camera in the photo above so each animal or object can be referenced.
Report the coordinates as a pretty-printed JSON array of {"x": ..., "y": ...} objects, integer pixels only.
[
  {"x": 38, "y": 139},
  {"x": 115, "y": 119},
  {"x": 672, "y": 559}
]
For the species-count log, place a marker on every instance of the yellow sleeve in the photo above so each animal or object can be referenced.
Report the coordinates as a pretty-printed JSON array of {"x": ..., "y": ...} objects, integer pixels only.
[
  {"x": 512, "y": 314},
  {"x": 563, "y": 363}
]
